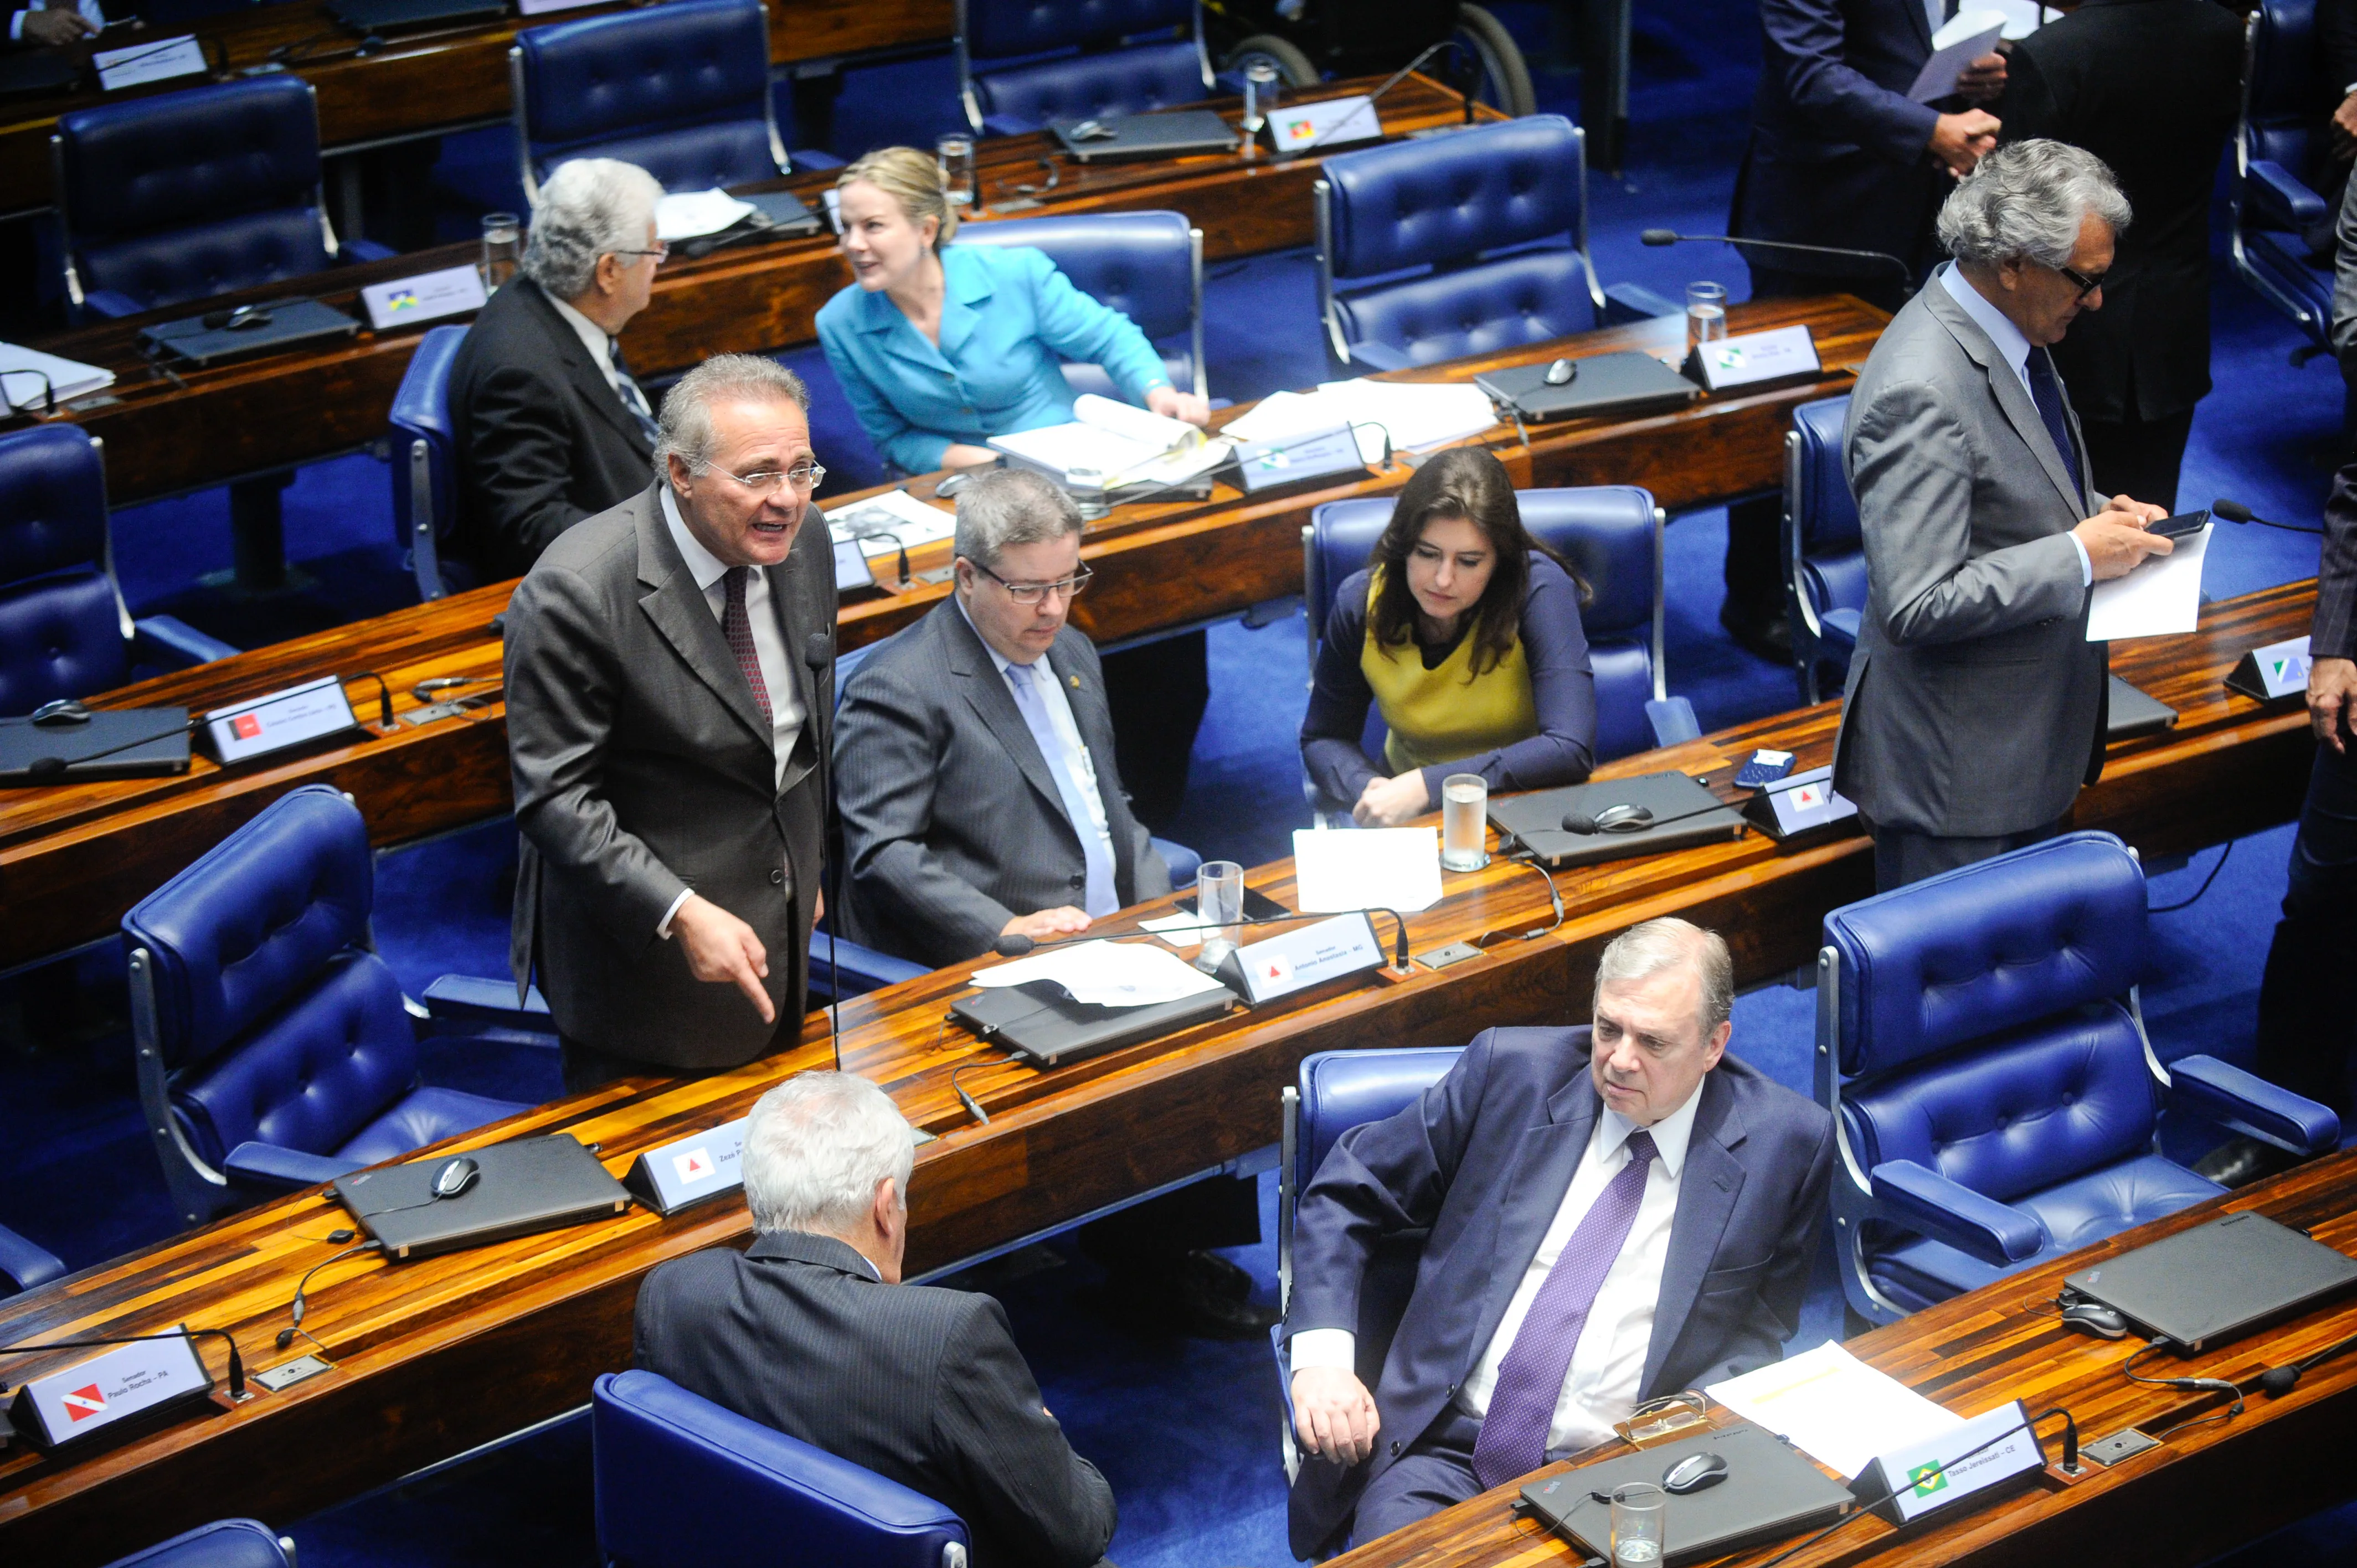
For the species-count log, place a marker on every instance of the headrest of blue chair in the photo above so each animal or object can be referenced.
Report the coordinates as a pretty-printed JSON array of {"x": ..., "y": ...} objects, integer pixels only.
[
  {"x": 683, "y": 1481},
  {"x": 1342, "y": 1089},
  {"x": 422, "y": 402},
  {"x": 237, "y": 933},
  {"x": 1829, "y": 518},
  {"x": 224, "y": 1544},
  {"x": 998, "y": 30},
  {"x": 1974, "y": 951},
  {"x": 1444, "y": 198},
  {"x": 669, "y": 64},
  {"x": 52, "y": 502},
  {"x": 1137, "y": 80},
  {"x": 1140, "y": 264},
  {"x": 180, "y": 158},
  {"x": 2285, "y": 80}
]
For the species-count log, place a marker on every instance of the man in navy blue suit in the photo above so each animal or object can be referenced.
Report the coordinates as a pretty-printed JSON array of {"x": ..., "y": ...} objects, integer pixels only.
[{"x": 1615, "y": 1215}]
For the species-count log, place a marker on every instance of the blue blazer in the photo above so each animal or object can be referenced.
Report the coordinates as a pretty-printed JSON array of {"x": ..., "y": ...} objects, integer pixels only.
[
  {"x": 1006, "y": 314},
  {"x": 1483, "y": 1158}
]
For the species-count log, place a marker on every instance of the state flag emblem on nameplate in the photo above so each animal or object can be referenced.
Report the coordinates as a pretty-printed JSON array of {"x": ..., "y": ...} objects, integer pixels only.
[
  {"x": 83, "y": 1403},
  {"x": 402, "y": 299},
  {"x": 1808, "y": 797},
  {"x": 693, "y": 1165},
  {"x": 1275, "y": 969}
]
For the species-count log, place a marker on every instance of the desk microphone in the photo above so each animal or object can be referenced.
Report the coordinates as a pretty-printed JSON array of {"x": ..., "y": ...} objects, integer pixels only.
[
  {"x": 49, "y": 769},
  {"x": 2236, "y": 512},
  {"x": 1473, "y": 71},
  {"x": 1015, "y": 945},
  {"x": 1658, "y": 237},
  {"x": 818, "y": 652}
]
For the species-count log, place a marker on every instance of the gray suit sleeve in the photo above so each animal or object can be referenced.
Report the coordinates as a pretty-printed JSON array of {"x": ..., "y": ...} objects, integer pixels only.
[
  {"x": 1911, "y": 471},
  {"x": 562, "y": 683},
  {"x": 2344, "y": 284},
  {"x": 1032, "y": 1491}
]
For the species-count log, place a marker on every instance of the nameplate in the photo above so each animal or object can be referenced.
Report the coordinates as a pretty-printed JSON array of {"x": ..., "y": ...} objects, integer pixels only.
[
  {"x": 1754, "y": 357},
  {"x": 1299, "y": 459},
  {"x": 1329, "y": 122},
  {"x": 1935, "y": 1475},
  {"x": 1298, "y": 959},
  {"x": 705, "y": 1165},
  {"x": 279, "y": 720},
  {"x": 1802, "y": 802},
  {"x": 2274, "y": 672},
  {"x": 130, "y": 1385},
  {"x": 428, "y": 296}
]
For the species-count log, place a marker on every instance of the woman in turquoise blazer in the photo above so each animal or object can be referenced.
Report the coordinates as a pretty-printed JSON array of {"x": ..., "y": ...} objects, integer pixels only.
[{"x": 941, "y": 349}]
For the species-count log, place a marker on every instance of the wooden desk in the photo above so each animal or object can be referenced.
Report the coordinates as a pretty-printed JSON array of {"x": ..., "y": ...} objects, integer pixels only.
[
  {"x": 274, "y": 411},
  {"x": 82, "y": 856},
  {"x": 420, "y": 82},
  {"x": 437, "y": 1355},
  {"x": 2206, "y": 1489}
]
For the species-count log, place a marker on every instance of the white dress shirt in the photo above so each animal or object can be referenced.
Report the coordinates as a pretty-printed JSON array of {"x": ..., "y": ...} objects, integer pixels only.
[
  {"x": 786, "y": 713},
  {"x": 2015, "y": 346},
  {"x": 1608, "y": 1365},
  {"x": 595, "y": 338},
  {"x": 1077, "y": 759}
]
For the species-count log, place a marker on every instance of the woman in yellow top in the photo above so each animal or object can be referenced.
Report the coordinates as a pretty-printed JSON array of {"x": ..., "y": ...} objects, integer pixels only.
[{"x": 1466, "y": 636}]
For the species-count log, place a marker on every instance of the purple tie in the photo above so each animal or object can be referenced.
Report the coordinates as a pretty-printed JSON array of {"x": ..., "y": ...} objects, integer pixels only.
[
  {"x": 1530, "y": 1380},
  {"x": 738, "y": 628}
]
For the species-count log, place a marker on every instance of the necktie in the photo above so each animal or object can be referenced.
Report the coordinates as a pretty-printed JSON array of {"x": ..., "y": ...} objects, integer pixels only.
[
  {"x": 2046, "y": 391},
  {"x": 1099, "y": 896},
  {"x": 1530, "y": 1380},
  {"x": 634, "y": 398},
  {"x": 738, "y": 628}
]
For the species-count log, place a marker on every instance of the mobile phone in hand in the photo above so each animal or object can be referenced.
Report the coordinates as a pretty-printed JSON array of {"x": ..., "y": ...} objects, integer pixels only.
[{"x": 2182, "y": 524}]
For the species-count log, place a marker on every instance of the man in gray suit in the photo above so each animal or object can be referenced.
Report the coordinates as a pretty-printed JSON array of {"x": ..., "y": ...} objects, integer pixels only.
[
  {"x": 1976, "y": 704},
  {"x": 669, "y": 678}
]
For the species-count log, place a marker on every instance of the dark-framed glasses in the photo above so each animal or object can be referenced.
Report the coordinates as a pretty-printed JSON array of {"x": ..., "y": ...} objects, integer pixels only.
[
  {"x": 1032, "y": 592},
  {"x": 804, "y": 476},
  {"x": 2086, "y": 284}
]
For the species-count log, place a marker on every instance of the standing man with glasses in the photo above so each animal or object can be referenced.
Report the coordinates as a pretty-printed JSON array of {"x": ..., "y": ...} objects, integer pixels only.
[
  {"x": 1976, "y": 706},
  {"x": 669, "y": 681}
]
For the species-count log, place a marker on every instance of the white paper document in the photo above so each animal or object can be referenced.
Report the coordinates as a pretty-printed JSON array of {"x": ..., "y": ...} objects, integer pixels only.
[
  {"x": 1108, "y": 974},
  {"x": 1124, "y": 445},
  {"x": 2161, "y": 598},
  {"x": 1418, "y": 417},
  {"x": 30, "y": 377},
  {"x": 692, "y": 214},
  {"x": 1182, "y": 929},
  {"x": 158, "y": 62},
  {"x": 890, "y": 522},
  {"x": 1371, "y": 868},
  {"x": 1834, "y": 1407},
  {"x": 1976, "y": 36}
]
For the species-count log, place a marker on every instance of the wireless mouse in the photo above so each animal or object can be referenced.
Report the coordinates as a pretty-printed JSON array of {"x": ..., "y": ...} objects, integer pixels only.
[
  {"x": 2093, "y": 1317},
  {"x": 57, "y": 714},
  {"x": 1561, "y": 373},
  {"x": 1693, "y": 1473},
  {"x": 456, "y": 1176}
]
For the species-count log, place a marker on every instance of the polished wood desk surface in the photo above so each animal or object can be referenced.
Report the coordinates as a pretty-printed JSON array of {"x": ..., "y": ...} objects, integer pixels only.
[
  {"x": 203, "y": 427},
  {"x": 84, "y": 854},
  {"x": 419, "y": 82},
  {"x": 435, "y": 1357},
  {"x": 2204, "y": 1490}
]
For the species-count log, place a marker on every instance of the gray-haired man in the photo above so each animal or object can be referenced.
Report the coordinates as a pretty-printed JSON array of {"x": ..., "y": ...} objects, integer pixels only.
[
  {"x": 662, "y": 710},
  {"x": 809, "y": 1331},
  {"x": 549, "y": 426},
  {"x": 1976, "y": 703}
]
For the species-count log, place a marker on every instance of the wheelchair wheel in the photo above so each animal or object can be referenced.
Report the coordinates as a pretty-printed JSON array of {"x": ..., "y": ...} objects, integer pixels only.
[
  {"x": 1294, "y": 68},
  {"x": 1505, "y": 78}
]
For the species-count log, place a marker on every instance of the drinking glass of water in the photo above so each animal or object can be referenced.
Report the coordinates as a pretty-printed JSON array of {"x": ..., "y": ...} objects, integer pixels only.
[
  {"x": 1638, "y": 1509},
  {"x": 954, "y": 154},
  {"x": 1464, "y": 822},
  {"x": 502, "y": 243},
  {"x": 1705, "y": 314},
  {"x": 1087, "y": 489},
  {"x": 1219, "y": 904},
  {"x": 1260, "y": 96}
]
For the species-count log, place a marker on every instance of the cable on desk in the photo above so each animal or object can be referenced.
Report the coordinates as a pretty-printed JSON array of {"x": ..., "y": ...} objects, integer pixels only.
[
  {"x": 1553, "y": 897},
  {"x": 2187, "y": 1385},
  {"x": 966, "y": 1100}
]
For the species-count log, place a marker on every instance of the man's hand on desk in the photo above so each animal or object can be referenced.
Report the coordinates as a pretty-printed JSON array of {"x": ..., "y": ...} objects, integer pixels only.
[
  {"x": 1961, "y": 141},
  {"x": 2333, "y": 699},
  {"x": 1063, "y": 920},
  {"x": 1388, "y": 802},
  {"x": 1333, "y": 1416},
  {"x": 1172, "y": 403},
  {"x": 2116, "y": 540},
  {"x": 723, "y": 948}
]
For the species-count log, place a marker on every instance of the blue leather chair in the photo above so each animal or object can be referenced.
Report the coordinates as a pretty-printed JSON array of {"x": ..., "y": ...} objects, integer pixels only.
[
  {"x": 1981, "y": 1048},
  {"x": 1612, "y": 535},
  {"x": 1825, "y": 559},
  {"x": 186, "y": 195},
  {"x": 2284, "y": 110},
  {"x": 275, "y": 1049},
  {"x": 683, "y": 1483},
  {"x": 224, "y": 1544},
  {"x": 426, "y": 465},
  {"x": 1147, "y": 265},
  {"x": 24, "y": 1266},
  {"x": 64, "y": 631},
  {"x": 1022, "y": 63},
  {"x": 681, "y": 90}
]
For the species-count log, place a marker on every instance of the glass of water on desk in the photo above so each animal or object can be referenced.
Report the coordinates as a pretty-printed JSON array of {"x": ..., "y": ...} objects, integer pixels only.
[
  {"x": 1220, "y": 906},
  {"x": 1705, "y": 314},
  {"x": 953, "y": 155},
  {"x": 1087, "y": 489},
  {"x": 1464, "y": 822},
  {"x": 1638, "y": 1509},
  {"x": 502, "y": 243}
]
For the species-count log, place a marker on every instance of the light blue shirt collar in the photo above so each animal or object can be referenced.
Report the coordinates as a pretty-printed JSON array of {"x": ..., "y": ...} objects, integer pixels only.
[{"x": 1990, "y": 320}]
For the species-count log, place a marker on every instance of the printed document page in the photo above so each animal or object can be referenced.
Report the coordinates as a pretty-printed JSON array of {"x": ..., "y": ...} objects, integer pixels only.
[
  {"x": 1834, "y": 1407},
  {"x": 2161, "y": 598},
  {"x": 1340, "y": 869}
]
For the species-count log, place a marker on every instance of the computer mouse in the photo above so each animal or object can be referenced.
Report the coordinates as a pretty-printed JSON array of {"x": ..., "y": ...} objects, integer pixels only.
[
  {"x": 1625, "y": 818},
  {"x": 1091, "y": 130},
  {"x": 456, "y": 1176},
  {"x": 1561, "y": 373},
  {"x": 245, "y": 318},
  {"x": 59, "y": 712},
  {"x": 1693, "y": 1473},
  {"x": 2093, "y": 1317}
]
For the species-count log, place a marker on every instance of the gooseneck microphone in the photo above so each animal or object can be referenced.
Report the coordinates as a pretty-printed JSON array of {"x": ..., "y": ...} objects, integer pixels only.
[
  {"x": 1015, "y": 945},
  {"x": 818, "y": 652},
  {"x": 236, "y": 1361},
  {"x": 1658, "y": 237},
  {"x": 50, "y": 770},
  {"x": 2236, "y": 512}
]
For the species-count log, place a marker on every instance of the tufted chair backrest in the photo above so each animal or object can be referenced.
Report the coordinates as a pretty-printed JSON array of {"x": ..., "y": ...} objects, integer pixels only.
[
  {"x": 61, "y": 631},
  {"x": 1140, "y": 264},
  {"x": 1832, "y": 554},
  {"x": 1003, "y": 30},
  {"x": 2286, "y": 98}
]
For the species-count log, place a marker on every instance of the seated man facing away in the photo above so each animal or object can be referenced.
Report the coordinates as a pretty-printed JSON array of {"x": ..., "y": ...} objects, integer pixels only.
[
  {"x": 1609, "y": 1223},
  {"x": 809, "y": 1331}
]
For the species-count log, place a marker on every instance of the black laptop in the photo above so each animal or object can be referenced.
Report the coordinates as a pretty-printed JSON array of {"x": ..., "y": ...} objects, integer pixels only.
[
  {"x": 1535, "y": 822},
  {"x": 224, "y": 334},
  {"x": 2216, "y": 1280},
  {"x": 2132, "y": 714},
  {"x": 154, "y": 742},
  {"x": 1166, "y": 135},
  {"x": 1041, "y": 1023},
  {"x": 1770, "y": 1492},
  {"x": 1621, "y": 383},
  {"x": 531, "y": 1183}
]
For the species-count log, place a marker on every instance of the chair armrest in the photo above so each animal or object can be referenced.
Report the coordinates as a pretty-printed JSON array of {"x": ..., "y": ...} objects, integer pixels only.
[
  {"x": 25, "y": 1263},
  {"x": 1008, "y": 125},
  {"x": 1626, "y": 302},
  {"x": 2277, "y": 200},
  {"x": 352, "y": 250},
  {"x": 1378, "y": 357},
  {"x": 269, "y": 1166},
  {"x": 862, "y": 968},
  {"x": 2220, "y": 1092},
  {"x": 1183, "y": 862},
  {"x": 111, "y": 304},
  {"x": 1673, "y": 719},
  {"x": 167, "y": 639},
  {"x": 811, "y": 158},
  {"x": 1840, "y": 629},
  {"x": 471, "y": 999},
  {"x": 1922, "y": 1199}
]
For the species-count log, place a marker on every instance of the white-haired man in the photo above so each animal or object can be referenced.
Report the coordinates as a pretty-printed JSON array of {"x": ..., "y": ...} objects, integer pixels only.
[
  {"x": 809, "y": 1331},
  {"x": 1615, "y": 1212},
  {"x": 550, "y": 427},
  {"x": 1976, "y": 705}
]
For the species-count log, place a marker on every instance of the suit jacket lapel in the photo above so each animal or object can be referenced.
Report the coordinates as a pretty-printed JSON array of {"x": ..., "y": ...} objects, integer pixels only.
[
  {"x": 1543, "y": 1166},
  {"x": 985, "y": 690},
  {"x": 966, "y": 291},
  {"x": 1922, "y": 21},
  {"x": 2011, "y": 395},
  {"x": 680, "y": 611},
  {"x": 1708, "y": 1187},
  {"x": 785, "y": 578},
  {"x": 588, "y": 382}
]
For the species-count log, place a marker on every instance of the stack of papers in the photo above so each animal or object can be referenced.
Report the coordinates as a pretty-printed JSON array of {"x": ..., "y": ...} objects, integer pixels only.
[
  {"x": 1124, "y": 445},
  {"x": 2162, "y": 598},
  {"x": 691, "y": 215},
  {"x": 1108, "y": 974},
  {"x": 1418, "y": 417},
  {"x": 1834, "y": 1407},
  {"x": 1366, "y": 868},
  {"x": 888, "y": 523},
  {"x": 29, "y": 377}
]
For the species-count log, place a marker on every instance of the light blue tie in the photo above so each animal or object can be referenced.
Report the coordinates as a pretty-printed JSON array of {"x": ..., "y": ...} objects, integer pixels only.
[{"x": 1101, "y": 896}]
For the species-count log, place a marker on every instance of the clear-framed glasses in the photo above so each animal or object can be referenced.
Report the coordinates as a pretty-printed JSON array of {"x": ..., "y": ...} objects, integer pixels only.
[
  {"x": 661, "y": 252},
  {"x": 1032, "y": 592},
  {"x": 804, "y": 476},
  {"x": 2087, "y": 286}
]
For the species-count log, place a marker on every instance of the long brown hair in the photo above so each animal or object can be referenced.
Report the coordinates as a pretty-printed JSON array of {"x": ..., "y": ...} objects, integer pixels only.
[{"x": 1467, "y": 482}]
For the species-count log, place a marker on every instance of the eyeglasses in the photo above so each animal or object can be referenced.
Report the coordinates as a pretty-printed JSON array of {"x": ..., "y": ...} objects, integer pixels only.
[
  {"x": 661, "y": 249},
  {"x": 2087, "y": 286},
  {"x": 1032, "y": 592},
  {"x": 772, "y": 481}
]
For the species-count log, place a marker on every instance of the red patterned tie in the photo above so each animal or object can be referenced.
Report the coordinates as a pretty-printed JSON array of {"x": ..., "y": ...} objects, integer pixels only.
[{"x": 738, "y": 629}]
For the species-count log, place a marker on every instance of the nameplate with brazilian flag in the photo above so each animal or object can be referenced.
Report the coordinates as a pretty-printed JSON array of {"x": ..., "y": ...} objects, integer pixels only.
[
  {"x": 428, "y": 296},
  {"x": 1968, "y": 1462}
]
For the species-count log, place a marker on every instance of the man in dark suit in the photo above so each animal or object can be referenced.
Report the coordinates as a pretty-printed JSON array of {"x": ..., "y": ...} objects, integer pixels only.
[
  {"x": 2336, "y": 62},
  {"x": 549, "y": 426},
  {"x": 2091, "y": 78},
  {"x": 810, "y": 1331},
  {"x": 1615, "y": 1214},
  {"x": 669, "y": 684}
]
